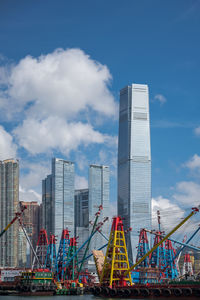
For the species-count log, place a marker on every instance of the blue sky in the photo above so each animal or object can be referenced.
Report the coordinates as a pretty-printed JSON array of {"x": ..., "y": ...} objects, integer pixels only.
[{"x": 65, "y": 102}]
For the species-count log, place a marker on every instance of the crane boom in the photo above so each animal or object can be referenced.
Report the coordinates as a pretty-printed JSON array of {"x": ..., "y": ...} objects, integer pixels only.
[
  {"x": 28, "y": 239},
  {"x": 194, "y": 211},
  {"x": 92, "y": 233},
  {"x": 17, "y": 215},
  {"x": 174, "y": 241}
]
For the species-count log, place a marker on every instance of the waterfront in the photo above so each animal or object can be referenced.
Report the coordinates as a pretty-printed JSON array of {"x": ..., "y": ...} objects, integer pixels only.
[
  {"x": 82, "y": 297},
  {"x": 64, "y": 297}
]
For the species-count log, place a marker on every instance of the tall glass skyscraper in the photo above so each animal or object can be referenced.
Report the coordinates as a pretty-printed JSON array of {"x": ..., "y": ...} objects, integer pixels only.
[
  {"x": 58, "y": 198},
  {"x": 9, "y": 201},
  {"x": 99, "y": 194},
  {"x": 134, "y": 162}
]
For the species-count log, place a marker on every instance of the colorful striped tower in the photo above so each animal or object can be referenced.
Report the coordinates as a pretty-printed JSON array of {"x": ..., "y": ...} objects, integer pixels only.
[
  {"x": 62, "y": 254},
  {"x": 71, "y": 269},
  {"x": 187, "y": 266},
  {"x": 116, "y": 260},
  {"x": 158, "y": 256},
  {"x": 143, "y": 248},
  {"x": 171, "y": 271}
]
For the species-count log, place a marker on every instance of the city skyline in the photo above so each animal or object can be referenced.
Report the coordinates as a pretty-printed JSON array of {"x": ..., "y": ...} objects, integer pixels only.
[
  {"x": 63, "y": 206},
  {"x": 58, "y": 198},
  {"x": 59, "y": 91}
]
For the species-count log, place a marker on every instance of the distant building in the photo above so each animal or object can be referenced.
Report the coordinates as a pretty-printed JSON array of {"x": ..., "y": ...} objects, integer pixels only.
[
  {"x": 99, "y": 194},
  {"x": 58, "y": 198},
  {"x": 9, "y": 200},
  {"x": 22, "y": 249},
  {"x": 134, "y": 162},
  {"x": 31, "y": 222},
  {"x": 82, "y": 219},
  {"x": 40, "y": 221},
  {"x": 81, "y": 208}
]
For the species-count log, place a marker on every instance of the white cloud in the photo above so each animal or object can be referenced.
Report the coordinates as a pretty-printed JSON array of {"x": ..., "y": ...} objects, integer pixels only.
[
  {"x": 160, "y": 98},
  {"x": 56, "y": 134},
  {"x": 80, "y": 182},
  {"x": 197, "y": 131},
  {"x": 61, "y": 83},
  {"x": 51, "y": 93},
  {"x": 29, "y": 195},
  {"x": 7, "y": 147},
  {"x": 58, "y": 98},
  {"x": 193, "y": 164},
  {"x": 187, "y": 193}
]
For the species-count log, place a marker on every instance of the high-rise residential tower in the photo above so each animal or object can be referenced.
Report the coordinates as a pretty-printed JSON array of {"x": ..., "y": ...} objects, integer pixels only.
[
  {"x": 58, "y": 198},
  {"x": 134, "y": 162},
  {"x": 9, "y": 205},
  {"x": 99, "y": 194}
]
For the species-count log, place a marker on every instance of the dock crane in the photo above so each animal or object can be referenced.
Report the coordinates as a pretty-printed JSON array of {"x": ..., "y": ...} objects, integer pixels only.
[
  {"x": 125, "y": 272},
  {"x": 194, "y": 211}
]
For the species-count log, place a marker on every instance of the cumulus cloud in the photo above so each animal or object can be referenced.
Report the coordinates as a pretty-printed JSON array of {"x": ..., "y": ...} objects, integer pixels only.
[
  {"x": 51, "y": 92},
  {"x": 197, "y": 131},
  {"x": 61, "y": 83},
  {"x": 55, "y": 133},
  {"x": 7, "y": 147},
  {"x": 160, "y": 98},
  {"x": 56, "y": 101}
]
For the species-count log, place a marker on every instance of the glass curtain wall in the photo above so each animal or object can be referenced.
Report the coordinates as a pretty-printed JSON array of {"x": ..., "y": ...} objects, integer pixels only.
[{"x": 134, "y": 163}]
